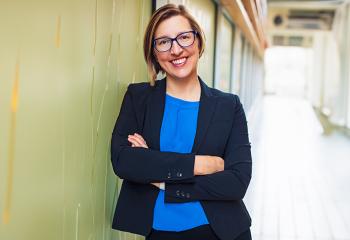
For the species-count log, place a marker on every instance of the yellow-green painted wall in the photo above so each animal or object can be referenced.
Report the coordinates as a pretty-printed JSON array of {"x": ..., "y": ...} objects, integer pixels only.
[{"x": 64, "y": 67}]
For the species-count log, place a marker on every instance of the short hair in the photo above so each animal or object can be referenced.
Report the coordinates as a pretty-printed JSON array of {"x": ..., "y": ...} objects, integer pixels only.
[{"x": 163, "y": 13}]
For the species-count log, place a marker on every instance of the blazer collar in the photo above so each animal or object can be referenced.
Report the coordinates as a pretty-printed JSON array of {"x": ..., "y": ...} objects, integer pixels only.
[{"x": 207, "y": 105}]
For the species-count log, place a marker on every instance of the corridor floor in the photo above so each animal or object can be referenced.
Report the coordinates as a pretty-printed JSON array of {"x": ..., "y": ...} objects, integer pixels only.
[{"x": 299, "y": 188}]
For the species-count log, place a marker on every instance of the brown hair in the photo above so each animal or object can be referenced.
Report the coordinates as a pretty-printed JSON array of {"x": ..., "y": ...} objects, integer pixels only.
[{"x": 165, "y": 12}]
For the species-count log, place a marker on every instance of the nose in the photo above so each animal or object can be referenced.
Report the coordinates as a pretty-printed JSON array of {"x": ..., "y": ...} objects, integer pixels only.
[{"x": 176, "y": 49}]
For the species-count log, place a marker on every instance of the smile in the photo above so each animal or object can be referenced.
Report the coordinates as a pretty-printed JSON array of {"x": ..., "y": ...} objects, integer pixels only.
[{"x": 179, "y": 62}]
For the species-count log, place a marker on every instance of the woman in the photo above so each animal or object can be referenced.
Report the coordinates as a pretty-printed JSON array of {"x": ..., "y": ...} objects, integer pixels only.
[{"x": 181, "y": 147}]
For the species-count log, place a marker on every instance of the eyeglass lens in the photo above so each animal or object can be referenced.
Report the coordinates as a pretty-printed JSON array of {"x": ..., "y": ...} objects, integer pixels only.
[{"x": 184, "y": 40}]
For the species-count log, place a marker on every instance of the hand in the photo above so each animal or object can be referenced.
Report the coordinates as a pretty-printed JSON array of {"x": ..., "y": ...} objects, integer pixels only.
[
  {"x": 159, "y": 185},
  {"x": 137, "y": 140},
  {"x": 156, "y": 184},
  {"x": 204, "y": 165}
]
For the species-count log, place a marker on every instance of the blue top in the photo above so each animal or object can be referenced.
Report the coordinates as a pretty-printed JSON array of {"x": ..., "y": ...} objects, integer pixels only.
[{"x": 177, "y": 135}]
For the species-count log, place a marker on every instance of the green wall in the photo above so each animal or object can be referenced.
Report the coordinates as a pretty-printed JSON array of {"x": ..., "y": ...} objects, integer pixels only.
[{"x": 64, "y": 67}]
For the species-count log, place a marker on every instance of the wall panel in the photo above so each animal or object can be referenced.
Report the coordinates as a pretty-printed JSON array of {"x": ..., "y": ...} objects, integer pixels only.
[
  {"x": 64, "y": 67},
  {"x": 223, "y": 53}
]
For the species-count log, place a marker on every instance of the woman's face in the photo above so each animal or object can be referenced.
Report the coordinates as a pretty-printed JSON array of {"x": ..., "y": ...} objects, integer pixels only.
[{"x": 178, "y": 62}]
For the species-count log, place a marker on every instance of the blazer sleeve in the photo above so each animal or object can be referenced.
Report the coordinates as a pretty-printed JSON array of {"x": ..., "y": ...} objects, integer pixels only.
[
  {"x": 144, "y": 165},
  {"x": 230, "y": 184}
]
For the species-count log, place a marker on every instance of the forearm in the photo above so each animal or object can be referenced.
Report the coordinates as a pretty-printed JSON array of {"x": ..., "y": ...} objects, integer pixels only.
[
  {"x": 203, "y": 165},
  {"x": 225, "y": 185},
  {"x": 146, "y": 165}
]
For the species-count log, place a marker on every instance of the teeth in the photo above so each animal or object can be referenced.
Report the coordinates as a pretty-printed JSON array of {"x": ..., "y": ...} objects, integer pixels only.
[{"x": 179, "y": 61}]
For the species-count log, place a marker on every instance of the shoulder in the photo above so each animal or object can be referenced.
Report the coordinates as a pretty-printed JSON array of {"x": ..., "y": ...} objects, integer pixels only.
[
  {"x": 228, "y": 105},
  {"x": 226, "y": 98},
  {"x": 139, "y": 93},
  {"x": 139, "y": 88}
]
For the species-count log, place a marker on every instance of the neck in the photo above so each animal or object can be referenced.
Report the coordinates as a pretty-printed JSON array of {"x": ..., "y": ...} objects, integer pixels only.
[{"x": 187, "y": 89}]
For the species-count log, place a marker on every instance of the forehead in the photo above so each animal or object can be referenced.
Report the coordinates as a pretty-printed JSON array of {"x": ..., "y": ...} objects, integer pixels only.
[{"x": 171, "y": 27}]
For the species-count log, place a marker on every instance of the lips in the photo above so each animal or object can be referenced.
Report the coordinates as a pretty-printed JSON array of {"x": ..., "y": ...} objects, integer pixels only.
[{"x": 179, "y": 62}]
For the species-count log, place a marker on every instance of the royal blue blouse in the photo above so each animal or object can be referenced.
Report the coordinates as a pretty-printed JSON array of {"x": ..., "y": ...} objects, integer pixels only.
[{"x": 177, "y": 135}]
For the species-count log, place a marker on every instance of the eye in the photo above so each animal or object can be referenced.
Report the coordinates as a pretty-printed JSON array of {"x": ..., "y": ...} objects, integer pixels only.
[
  {"x": 185, "y": 36},
  {"x": 163, "y": 41}
]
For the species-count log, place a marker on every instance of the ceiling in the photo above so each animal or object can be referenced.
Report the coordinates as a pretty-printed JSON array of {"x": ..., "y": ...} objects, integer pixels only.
[{"x": 293, "y": 22}]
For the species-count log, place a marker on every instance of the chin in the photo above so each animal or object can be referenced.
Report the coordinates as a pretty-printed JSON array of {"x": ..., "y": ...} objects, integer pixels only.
[
  {"x": 180, "y": 76},
  {"x": 186, "y": 73}
]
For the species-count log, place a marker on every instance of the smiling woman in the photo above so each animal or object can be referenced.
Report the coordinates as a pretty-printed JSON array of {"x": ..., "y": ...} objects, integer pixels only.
[
  {"x": 171, "y": 25},
  {"x": 179, "y": 61},
  {"x": 181, "y": 147}
]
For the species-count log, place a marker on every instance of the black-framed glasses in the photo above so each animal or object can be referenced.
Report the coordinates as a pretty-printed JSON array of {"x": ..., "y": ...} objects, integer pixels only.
[{"x": 184, "y": 39}]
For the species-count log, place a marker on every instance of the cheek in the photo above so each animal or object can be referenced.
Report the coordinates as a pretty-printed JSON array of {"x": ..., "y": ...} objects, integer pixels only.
[
  {"x": 195, "y": 51},
  {"x": 161, "y": 58},
  {"x": 195, "y": 56},
  {"x": 162, "y": 63}
]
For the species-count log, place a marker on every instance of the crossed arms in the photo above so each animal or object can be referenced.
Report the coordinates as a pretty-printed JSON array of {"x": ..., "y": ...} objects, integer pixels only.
[{"x": 188, "y": 177}]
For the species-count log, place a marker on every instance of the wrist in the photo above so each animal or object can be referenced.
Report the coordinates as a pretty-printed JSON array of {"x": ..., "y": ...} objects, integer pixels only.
[
  {"x": 198, "y": 165},
  {"x": 195, "y": 165},
  {"x": 162, "y": 186}
]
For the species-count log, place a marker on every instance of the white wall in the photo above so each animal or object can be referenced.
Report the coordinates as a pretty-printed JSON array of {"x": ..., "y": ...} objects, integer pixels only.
[{"x": 328, "y": 88}]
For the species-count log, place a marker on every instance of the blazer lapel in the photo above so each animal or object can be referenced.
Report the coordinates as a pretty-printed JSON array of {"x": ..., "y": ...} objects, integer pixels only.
[
  {"x": 156, "y": 112},
  {"x": 207, "y": 107}
]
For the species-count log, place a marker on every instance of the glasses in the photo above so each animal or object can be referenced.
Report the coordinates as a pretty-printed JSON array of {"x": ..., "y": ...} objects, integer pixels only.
[{"x": 184, "y": 39}]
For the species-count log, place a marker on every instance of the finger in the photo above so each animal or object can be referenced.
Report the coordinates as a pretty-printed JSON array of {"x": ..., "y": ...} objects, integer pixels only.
[
  {"x": 136, "y": 139},
  {"x": 140, "y": 137},
  {"x": 137, "y": 142},
  {"x": 133, "y": 142}
]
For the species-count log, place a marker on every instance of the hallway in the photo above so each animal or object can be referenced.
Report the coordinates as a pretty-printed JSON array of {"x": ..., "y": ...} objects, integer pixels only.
[
  {"x": 65, "y": 68},
  {"x": 299, "y": 186}
]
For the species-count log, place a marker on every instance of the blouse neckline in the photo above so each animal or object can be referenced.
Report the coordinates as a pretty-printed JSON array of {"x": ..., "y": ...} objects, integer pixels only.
[{"x": 181, "y": 102}]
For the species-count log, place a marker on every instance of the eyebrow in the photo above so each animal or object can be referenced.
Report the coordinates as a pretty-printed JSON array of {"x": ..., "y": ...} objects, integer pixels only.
[{"x": 165, "y": 36}]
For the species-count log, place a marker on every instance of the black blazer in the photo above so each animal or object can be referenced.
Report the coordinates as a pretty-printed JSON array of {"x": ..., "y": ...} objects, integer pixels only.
[{"x": 221, "y": 131}]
